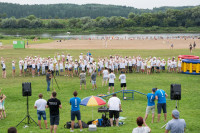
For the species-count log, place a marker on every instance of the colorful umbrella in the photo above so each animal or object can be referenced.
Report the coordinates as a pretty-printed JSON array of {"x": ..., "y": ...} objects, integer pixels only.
[{"x": 93, "y": 101}]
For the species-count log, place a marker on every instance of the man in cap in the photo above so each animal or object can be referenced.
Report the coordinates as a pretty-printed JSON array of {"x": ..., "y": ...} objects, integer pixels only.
[
  {"x": 176, "y": 125},
  {"x": 150, "y": 104}
]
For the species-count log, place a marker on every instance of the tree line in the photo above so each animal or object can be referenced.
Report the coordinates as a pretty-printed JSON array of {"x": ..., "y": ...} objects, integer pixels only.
[
  {"x": 171, "y": 18},
  {"x": 63, "y": 11}
]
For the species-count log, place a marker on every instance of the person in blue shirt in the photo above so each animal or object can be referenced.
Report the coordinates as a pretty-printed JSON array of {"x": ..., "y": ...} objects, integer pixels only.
[
  {"x": 150, "y": 104},
  {"x": 161, "y": 95},
  {"x": 75, "y": 111}
]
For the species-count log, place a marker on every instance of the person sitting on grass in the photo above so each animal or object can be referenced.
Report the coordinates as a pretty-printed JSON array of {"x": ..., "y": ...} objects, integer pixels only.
[
  {"x": 140, "y": 128},
  {"x": 40, "y": 105},
  {"x": 176, "y": 125}
]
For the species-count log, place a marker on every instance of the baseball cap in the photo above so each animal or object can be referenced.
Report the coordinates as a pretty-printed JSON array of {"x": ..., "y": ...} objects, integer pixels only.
[
  {"x": 154, "y": 89},
  {"x": 175, "y": 113}
]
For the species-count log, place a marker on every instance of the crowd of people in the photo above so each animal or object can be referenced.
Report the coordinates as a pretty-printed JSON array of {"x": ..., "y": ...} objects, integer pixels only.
[{"x": 65, "y": 65}]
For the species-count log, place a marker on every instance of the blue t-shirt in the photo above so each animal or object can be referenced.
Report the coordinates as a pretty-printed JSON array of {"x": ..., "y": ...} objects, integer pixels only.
[
  {"x": 151, "y": 98},
  {"x": 161, "y": 96},
  {"x": 75, "y": 102}
]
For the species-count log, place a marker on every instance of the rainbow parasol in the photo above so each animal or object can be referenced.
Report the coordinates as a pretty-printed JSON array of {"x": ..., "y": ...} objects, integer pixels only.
[{"x": 93, "y": 101}]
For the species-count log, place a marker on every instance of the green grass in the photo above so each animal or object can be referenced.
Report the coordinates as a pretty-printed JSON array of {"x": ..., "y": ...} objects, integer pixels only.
[
  {"x": 16, "y": 104},
  {"x": 39, "y": 41}
]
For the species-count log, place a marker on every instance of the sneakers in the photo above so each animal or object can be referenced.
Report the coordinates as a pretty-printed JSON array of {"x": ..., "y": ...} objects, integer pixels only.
[
  {"x": 81, "y": 130},
  {"x": 71, "y": 131}
]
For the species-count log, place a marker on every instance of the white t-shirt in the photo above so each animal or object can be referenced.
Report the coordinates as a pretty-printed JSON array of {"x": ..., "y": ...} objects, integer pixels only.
[
  {"x": 141, "y": 130},
  {"x": 123, "y": 78},
  {"x": 111, "y": 77},
  {"x": 105, "y": 73},
  {"x": 114, "y": 103},
  {"x": 40, "y": 104}
]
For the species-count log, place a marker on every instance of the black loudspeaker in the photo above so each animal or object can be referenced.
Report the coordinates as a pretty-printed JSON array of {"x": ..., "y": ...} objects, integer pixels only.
[
  {"x": 26, "y": 89},
  {"x": 175, "y": 92}
]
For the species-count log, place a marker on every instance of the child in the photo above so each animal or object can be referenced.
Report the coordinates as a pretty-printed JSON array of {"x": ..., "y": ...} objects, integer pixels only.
[
  {"x": 76, "y": 68},
  {"x": 122, "y": 77},
  {"x": 38, "y": 68},
  {"x": 61, "y": 68},
  {"x": 57, "y": 69},
  {"x": 111, "y": 78},
  {"x": 142, "y": 66},
  {"x": 33, "y": 68},
  {"x": 20, "y": 68},
  {"x": 70, "y": 67},
  {"x": 25, "y": 67},
  {"x": 66, "y": 68},
  {"x": 43, "y": 67},
  {"x": 179, "y": 65},
  {"x": 4, "y": 69},
  {"x": 149, "y": 67},
  {"x": 105, "y": 77},
  {"x": 13, "y": 69}
]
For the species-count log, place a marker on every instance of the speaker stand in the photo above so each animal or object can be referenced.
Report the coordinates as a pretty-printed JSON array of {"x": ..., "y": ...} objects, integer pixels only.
[
  {"x": 176, "y": 104},
  {"x": 28, "y": 117}
]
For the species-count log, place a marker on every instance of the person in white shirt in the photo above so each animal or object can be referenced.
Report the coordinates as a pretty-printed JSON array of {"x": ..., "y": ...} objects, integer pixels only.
[
  {"x": 57, "y": 69},
  {"x": 40, "y": 105},
  {"x": 13, "y": 68},
  {"x": 43, "y": 67},
  {"x": 111, "y": 78},
  {"x": 122, "y": 77},
  {"x": 114, "y": 105},
  {"x": 140, "y": 128},
  {"x": 179, "y": 65},
  {"x": 105, "y": 77},
  {"x": 76, "y": 68}
]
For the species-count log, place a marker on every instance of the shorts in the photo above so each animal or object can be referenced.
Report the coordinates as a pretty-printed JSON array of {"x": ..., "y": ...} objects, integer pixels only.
[
  {"x": 46, "y": 67},
  {"x": 76, "y": 114},
  {"x": 13, "y": 68},
  {"x": 148, "y": 67},
  {"x": 25, "y": 70},
  {"x": 2, "y": 108},
  {"x": 38, "y": 70},
  {"x": 111, "y": 84},
  {"x": 82, "y": 82},
  {"x": 66, "y": 69},
  {"x": 123, "y": 84},
  {"x": 161, "y": 106},
  {"x": 113, "y": 113},
  {"x": 33, "y": 68},
  {"x": 163, "y": 67},
  {"x": 54, "y": 120},
  {"x": 105, "y": 78},
  {"x": 70, "y": 69},
  {"x": 157, "y": 67},
  {"x": 93, "y": 82},
  {"x": 41, "y": 113},
  {"x": 150, "y": 108},
  {"x": 3, "y": 69},
  {"x": 76, "y": 69},
  {"x": 61, "y": 70},
  {"x": 99, "y": 70}
]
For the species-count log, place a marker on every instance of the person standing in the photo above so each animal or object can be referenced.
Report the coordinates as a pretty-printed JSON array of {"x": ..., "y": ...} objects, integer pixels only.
[
  {"x": 105, "y": 76},
  {"x": 190, "y": 46},
  {"x": 93, "y": 80},
  {"x": 75, "y": 111},
  {"x": 114, "y": 105},
  {"x": 160, "y": 95},
  {"x": 48, "y": 79},
  {"x": 111, "y": 78},
  {"x": 151, "y": 104},
  {"x": 175, "y": 125},
  {"x": 82, "y": 79},
  {"x": 122, "y": 77},
  {"x": 54, "y": 104},
  {"x": 40, "y": 105}
]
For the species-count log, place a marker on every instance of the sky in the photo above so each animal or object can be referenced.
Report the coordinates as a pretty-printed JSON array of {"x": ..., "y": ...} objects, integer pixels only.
[{"x": 133, "y": 3}]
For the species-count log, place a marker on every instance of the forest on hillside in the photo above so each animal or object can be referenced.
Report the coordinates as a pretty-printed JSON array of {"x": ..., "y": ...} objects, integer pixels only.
[{"x": 63, "y": 11}]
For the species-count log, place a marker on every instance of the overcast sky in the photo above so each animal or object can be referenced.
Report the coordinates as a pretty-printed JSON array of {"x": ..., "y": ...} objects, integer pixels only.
[{"x": 134, "y": 3}]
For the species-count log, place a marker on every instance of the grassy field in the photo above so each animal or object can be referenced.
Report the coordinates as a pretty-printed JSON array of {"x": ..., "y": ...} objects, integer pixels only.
[
  {"x": 30, "y": 41},
  {"x": 16, "y": 104}
]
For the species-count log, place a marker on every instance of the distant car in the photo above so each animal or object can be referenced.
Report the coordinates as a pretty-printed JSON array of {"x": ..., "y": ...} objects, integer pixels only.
[{"x": 68, "y": 32}]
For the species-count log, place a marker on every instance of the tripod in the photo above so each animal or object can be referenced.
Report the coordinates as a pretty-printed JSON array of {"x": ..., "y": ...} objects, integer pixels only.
[
  {"x": 55, "y": 80},
  {"x": 28, "y": 117}
]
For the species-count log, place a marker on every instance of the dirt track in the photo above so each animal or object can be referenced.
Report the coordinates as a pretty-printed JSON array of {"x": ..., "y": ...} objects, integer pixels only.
[{"x": 117, "y": 44}]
